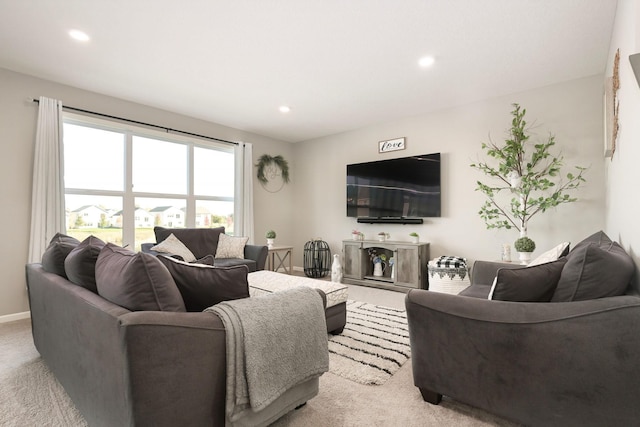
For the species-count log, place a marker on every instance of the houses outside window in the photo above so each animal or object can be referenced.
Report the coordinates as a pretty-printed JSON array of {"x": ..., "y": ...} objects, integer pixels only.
[{"x": 121, "y": 181}]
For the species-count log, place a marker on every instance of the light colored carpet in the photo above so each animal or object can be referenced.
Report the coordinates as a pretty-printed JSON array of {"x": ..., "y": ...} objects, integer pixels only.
[
  {"x": 373, "y": 345},
  {"x": 31, "y": 396}
]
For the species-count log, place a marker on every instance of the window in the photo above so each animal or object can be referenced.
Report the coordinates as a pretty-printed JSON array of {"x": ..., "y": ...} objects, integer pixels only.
[{"x": 121, "y": 181}]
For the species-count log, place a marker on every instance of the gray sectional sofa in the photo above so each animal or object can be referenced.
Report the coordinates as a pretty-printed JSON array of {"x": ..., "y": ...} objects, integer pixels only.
[
  {"x": 114, "y": 329},
  {"x": 568, "y": 359}
]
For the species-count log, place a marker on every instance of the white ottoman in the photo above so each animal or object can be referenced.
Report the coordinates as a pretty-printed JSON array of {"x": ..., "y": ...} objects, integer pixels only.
[
  {"x": 448, "y": 277},
  {"x": 266, "y": 282}
]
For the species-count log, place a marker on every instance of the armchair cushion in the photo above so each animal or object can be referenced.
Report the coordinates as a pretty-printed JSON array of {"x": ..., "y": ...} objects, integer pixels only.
[
  {"x": 594, "y": 270},
  {"x": 202, "y": 286},
  {"x": 200, "y": 241},
  {"x": 136, "y": 281},
  {"x": 173, "y": 245},
  {"x": 527, "y": 284},
  {"x": 231, "y": 247}
]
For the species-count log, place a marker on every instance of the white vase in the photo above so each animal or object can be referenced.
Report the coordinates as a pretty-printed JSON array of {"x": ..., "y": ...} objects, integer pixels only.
[
  {"x": 381, "y": 238},
  {"x": 415, "y": 239},
  {"x": 355, "y": 236},
  {"x": 270, "y": 243},
  {"x": 377, "y": 269},
  {"x": 336, "y": 269},
  {"x": 524, "y": 257}
]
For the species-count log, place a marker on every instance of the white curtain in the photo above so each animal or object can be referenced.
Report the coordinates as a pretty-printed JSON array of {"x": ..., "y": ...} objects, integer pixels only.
[
  {"x": 47, "y": 194},
  {"x": 244, "y": 191}
]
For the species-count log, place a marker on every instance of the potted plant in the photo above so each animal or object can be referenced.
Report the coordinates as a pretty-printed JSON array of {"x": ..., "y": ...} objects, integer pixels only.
[
  {"x": 382, "y": 236},
  {"x": 356, "y": 235},
  {"x": 271, "y": 237},
  {"x": 528, "y": 173},
  {"x": 524, "y": 246},
  {"x": 415, "y": 237}
]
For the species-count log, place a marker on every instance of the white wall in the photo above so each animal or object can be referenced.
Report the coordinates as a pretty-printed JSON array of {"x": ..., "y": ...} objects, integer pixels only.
[
  {"x": 572, "y": 111},
  {"x": 623, "y": 171},
  {"x": 17, "y": 137}
]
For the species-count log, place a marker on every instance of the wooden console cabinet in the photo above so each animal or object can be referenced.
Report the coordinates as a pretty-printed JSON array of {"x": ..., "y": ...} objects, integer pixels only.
[{"x": 410, "y": 264}]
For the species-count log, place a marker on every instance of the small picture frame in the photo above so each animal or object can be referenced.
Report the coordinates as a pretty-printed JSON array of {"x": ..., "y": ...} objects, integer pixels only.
[{"x": 391, "y": 145}]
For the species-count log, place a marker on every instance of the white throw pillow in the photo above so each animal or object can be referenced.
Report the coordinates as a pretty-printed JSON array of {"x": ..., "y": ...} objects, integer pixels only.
[
  {"x": 172, "y": 245},
  {"x": 551, "y": 255},
  {"x": 231, "y": 247},
  {"x": 493, "y": 288}
]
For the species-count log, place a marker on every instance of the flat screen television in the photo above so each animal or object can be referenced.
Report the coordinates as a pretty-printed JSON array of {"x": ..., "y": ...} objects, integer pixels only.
[{"x": 395, "y": 188}]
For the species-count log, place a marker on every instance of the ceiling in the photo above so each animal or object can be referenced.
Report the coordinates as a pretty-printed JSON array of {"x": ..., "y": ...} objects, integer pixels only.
[{"x": 338, "y": 64}]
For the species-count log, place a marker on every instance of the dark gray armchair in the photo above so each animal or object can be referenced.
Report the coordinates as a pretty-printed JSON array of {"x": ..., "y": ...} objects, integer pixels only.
[{"x": 555, "y": 363}]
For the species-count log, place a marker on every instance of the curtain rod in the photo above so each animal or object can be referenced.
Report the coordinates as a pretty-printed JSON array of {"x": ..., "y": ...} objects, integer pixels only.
[{"x": 166, "y": 129}]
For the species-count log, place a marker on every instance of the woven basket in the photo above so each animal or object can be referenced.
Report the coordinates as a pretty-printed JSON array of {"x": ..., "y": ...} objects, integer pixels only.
[{"x": 447, "y": 280}]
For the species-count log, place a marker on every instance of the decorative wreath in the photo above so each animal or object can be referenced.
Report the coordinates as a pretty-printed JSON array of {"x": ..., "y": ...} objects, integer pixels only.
[{"x": 279, "y": 161}]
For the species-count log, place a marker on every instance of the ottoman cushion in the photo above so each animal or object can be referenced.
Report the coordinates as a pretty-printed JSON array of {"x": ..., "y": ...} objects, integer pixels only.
[{"x": 266, "y": 282}]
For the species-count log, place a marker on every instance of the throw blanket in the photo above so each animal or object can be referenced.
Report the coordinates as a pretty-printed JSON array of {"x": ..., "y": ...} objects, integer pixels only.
[{"x": 274, "y": 342}]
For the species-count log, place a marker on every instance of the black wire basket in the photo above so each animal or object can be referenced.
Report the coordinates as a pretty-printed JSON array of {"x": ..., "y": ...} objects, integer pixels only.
[{"x": 317, "y": 258}]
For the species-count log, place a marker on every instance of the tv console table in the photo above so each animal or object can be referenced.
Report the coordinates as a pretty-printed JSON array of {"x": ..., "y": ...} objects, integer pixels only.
[{"x": 410, "y": 264}]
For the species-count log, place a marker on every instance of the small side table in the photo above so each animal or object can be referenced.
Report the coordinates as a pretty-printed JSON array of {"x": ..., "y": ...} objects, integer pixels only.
[{"x": 282, "y": 253}]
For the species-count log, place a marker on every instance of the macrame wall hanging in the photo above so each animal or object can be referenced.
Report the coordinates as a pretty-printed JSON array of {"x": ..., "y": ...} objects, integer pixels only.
[{"x": 273, "y": 172}]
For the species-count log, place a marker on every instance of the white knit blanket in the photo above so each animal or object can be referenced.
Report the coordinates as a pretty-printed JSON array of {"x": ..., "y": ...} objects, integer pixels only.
[{"x": 274, "y": 342}]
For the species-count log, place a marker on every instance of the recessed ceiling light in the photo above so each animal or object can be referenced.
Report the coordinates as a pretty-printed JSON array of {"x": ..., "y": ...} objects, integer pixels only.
[
  {"x": 284, "y": 109},
  {"x": 426, "y": 61},
  {"x": 78, "y": 35}
]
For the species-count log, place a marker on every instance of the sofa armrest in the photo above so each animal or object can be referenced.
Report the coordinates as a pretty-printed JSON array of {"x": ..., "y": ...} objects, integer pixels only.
[
  {"x": 257, "y": 253},
  {"x": 536, "y": 363},
  {"x": 484, "y": 272},
  {"x": 176, "y": 366}
]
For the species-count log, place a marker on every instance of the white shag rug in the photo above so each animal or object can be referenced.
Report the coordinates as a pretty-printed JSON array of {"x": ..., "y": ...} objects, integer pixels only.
[{"x": 373, "y": 345}]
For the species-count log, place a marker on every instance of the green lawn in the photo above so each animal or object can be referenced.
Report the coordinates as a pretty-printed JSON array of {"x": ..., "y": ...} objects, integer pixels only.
[{"x": 113, "y": 235}]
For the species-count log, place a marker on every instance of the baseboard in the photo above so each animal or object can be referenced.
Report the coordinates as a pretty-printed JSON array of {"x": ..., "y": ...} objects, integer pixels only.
[{"x": 15, "y": 316}]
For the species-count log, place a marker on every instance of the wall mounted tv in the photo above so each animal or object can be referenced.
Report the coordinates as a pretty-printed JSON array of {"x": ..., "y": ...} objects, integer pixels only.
[{"x": 407, "y": 187}]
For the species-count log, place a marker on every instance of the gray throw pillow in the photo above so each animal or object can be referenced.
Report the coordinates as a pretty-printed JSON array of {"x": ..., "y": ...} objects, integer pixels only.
[
  {"x": 202, "y": 286},
  {"x": 80, "y": 264},
  {"x": 594, "y": 270},
  {"x": 528, "y": 284},
  {"x": 200, "y": 241},
  {"x": 136, "y": 281},
  {"x": 59, "y": 247}
]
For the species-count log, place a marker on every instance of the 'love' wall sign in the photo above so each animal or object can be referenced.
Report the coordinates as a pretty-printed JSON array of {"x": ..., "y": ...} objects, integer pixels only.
[{"x": 391, "y": 145}]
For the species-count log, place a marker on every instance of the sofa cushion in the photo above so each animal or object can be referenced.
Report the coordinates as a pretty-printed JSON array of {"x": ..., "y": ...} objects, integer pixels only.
[
  {"x": 173, "y": 245},
  {"x": 136, "y": 281},
  {"x": 207, "y": 260},
  {"x": 231, "y": 247},
  {"x": 200, "y": 241},
  {"x": 231, "y": 262},
  {"x": 552, "y": 254},
  {"x": 80, "y": 264},
  {"x": 594, "y": 270},
  {"x": 202, "y": 286},
  {"x": 527, "y": 284},
  {"x": 59, "y": 247}
]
